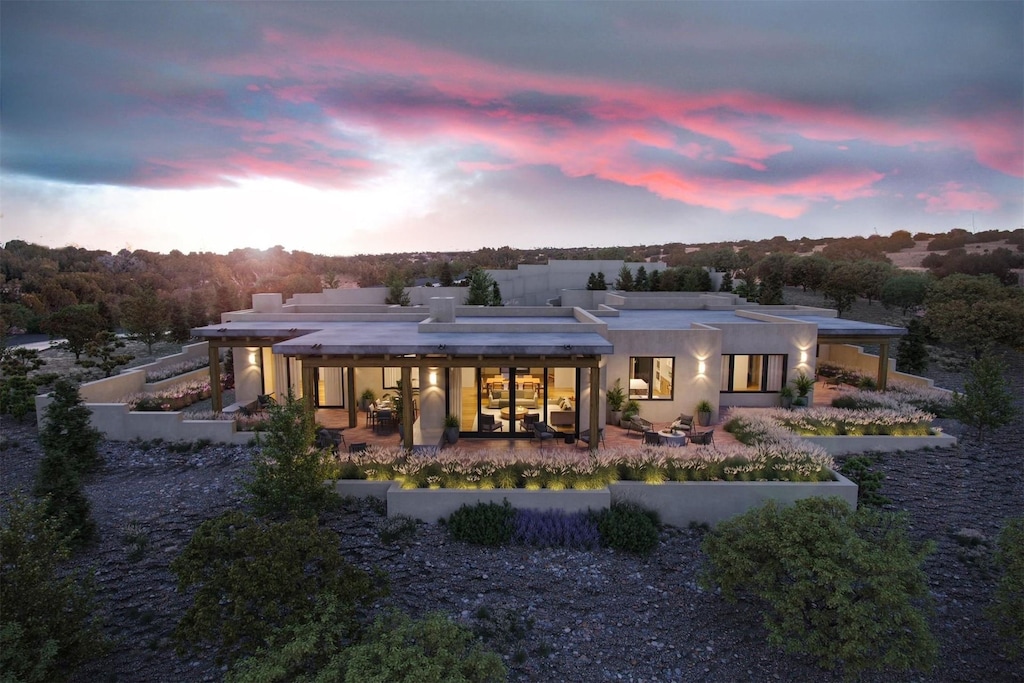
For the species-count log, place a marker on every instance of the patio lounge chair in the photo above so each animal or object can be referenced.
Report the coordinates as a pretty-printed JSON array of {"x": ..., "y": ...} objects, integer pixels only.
[
  {"x": 489, "y": 424},
  {"x": 651, "y": 438},
  {"x": 357, "y": 447},
  {"x": 639, "y": 425},
  {"x": 542, "y": 432},
  {"x": 703, "y": 438},
  {"x": 330, "y": 438},
  {"x": 684, "y": 423}
]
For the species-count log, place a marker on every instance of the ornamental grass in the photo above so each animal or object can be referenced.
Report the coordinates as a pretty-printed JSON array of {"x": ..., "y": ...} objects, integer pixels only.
[{"x": 786, "y": 460}]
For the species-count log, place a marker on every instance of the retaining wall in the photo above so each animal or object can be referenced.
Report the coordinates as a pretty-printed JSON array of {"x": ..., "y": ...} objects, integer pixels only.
[
  {"x": 846, "y": 445},
  {"x": 678, "y": 503}
]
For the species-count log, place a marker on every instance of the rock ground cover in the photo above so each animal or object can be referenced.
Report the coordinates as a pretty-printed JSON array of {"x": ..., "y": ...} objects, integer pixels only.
[{"x": 554, "y": 615}]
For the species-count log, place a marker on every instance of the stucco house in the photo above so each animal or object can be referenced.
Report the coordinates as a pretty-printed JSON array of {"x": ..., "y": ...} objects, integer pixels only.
[{"x": 492, "y": 367}]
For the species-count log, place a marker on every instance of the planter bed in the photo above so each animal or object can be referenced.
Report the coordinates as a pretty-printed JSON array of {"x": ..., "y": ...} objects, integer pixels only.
[
  {"x": 678, "y": 503},
  {"x": 709, "y": 502}
]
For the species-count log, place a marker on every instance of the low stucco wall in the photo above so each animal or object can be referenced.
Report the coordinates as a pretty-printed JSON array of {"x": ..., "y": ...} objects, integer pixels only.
[
  {"x": 117, "y": 423},
  {"x": 677, "y": 503},
  {"x": 431, "y": 505},
  {"x": 710, "y": 502},
  {"x": 846, "y": 445}
]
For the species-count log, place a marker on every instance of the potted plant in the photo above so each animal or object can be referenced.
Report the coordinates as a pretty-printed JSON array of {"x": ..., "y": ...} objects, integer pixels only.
[
  {"x": 631, "y": 408},
  {"x": 803, "y": 383},
  {"x": 451, "y": 428},
  {"x": 366, "y": 399},
  {"x": 616, "y": 398},
  {"x": 786, "y": 394},
  {"x": 703, "y": 411}
]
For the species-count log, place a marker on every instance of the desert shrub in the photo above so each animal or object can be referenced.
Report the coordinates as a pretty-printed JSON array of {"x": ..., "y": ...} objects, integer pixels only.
[
  {"x": 67, "y": 428},
  {"x": 63, "y": 499},
  {"x": 252, "y": 577},
  {"x": 629, "y": 527},
  {"x": 289, "y": 473},
  {"x": 1007, "y": 610},
  {"x": 392, "y": 529},
  {"x": 313, "y": 648},
  {"x": 17, "y": 396},
  {"x": 555, "y": 529},
  {"x": 869, "y": 482},
  {"x": 483, "y": 523},
  {"x": 397, "y": 649},
  {"x": 46, "y": 629},
  {"x": 843, "y": 586}
]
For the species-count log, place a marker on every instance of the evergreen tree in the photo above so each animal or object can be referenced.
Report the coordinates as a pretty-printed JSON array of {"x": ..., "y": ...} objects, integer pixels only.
[
  {"x": 911, "y": 353},
  {"x": 397, "y": 296},
  {"x": 78, "y": 324},
  {"x": 59, "y": 487},
  {"x": 145, "y": 318},
  {"x": 45, "y": 624},
  {"x": 726, "y": 285},
  {"x": 481, "y": 288},
  {"x": 445, "y": 277},
  {"x": 655, "y": 281},
  {"x": 986, "y": 401},
  {"x": 67, "y": 428},
  {"x": 592, "y": 282},
  {"x": 179, "y": 330},
  {"x": 495, "y": 294},
  {"x": 624, "y": 283},
  {"x": 601, "y": 284},
  {"x": 102, "y": 353},
  {"x": 641, "y": 283}
]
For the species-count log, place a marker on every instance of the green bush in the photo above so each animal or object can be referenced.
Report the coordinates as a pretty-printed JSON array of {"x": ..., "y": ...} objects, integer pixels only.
[
  {"x": 629, "y": 527},
  {"x": 483, "y": 523},
  {"x": 398, "y": 649},
  {"x": 289, "y": 473},
  {"x": 253, "y": 577},
  {"x": 858, "y": 469},
  {"x": 1007, "y": 610},
  {"x": 842, "y": 586},
  {"x": 46, "y": 629}
]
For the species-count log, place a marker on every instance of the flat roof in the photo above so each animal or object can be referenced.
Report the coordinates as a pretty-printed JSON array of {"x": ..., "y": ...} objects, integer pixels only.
[
  {"x": 399, "y": 338},
  {"x": 841, "y": 327},
  {"x": 666, "y": 319}
]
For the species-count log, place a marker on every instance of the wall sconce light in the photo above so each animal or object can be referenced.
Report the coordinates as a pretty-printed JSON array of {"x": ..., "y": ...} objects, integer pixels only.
[
  {"x": 433, "y": 378},
  {"x": 252, "y": 358},
  {"x": 701, "y": 367},
  {"x": 803, "y": 356}
]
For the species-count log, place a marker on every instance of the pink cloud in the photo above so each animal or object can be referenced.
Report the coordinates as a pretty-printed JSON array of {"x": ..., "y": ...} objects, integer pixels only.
[
  {"x": 719, "y": 150},
  {"x": 953, "y": 198}
]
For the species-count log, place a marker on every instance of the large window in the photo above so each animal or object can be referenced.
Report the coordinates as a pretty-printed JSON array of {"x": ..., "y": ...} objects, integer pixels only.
[
  {"x": 650, "y": 378},
  {"x": 755, "y": 372}
]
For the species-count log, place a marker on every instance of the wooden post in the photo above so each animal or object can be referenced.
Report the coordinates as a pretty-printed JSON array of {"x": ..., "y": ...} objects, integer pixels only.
[
  {"x": 883, "y": 365},
  {"x": 406, "y": 416},
  {"x": 595, "y": 408},
  {"x": 217, "y": 401},
  {"x": 350, "y": 388},
  {"x": 308, "y": 387}
]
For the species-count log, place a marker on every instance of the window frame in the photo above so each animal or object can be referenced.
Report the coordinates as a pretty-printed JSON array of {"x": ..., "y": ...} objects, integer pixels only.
[
  {"x": 651, "y": 382},
  {"x": 728, "y": 376}
]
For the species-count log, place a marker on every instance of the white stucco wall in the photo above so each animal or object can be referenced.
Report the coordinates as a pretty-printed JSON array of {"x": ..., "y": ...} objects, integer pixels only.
[{"x": 688, "y": 348}]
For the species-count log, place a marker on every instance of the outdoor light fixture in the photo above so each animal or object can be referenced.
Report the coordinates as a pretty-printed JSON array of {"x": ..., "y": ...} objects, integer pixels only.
[
  {"x": 433, "y": 378},
  {"x": 252, "y": 358},
  {"x": 701, "y": 367},
  {"x": 803, "y": 356}
]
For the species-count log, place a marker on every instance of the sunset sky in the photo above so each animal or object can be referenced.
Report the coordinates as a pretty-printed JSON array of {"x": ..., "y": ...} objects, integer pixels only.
[{"x": 345, "y": 128}]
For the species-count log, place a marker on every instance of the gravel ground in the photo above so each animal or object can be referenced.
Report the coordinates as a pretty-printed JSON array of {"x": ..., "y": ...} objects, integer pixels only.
[{"x": 555, "y": 615}]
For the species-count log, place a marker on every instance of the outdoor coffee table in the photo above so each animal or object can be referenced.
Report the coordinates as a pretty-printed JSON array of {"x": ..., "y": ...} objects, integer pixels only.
[
  {"x": 670, "y": 438},
  {"x": 506, "y": 413}
]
